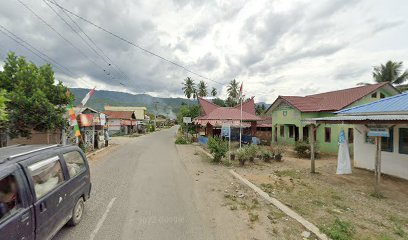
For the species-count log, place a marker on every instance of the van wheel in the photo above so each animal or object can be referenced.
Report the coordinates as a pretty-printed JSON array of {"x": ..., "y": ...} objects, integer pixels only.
[{"x": 77, "y": 213}]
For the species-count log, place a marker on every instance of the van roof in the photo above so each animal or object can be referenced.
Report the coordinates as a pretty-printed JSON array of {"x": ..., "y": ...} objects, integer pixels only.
[{"x": 18, "y": 151}]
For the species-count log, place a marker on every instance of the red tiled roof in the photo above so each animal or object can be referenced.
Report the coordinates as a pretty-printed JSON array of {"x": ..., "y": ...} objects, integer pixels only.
[
  {"x": 120, "y": 114},
  {"x": 214, "y": 112},
  {"x": 331, "y": 101}
]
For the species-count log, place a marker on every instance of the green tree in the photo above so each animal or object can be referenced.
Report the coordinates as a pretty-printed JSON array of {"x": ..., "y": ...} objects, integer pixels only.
[
  {"x": 35, "y": 101},
  {"x": 390, "y": 72},
  {"x": 189, "y": 87},
  {"x": 232, "y": 90},
  {"x": 214, "y": 92},
  {"x": 219, "y": 102},
  {"x": 192, "y": 111},
  {"x": 3, "y": 113},
  {"x": 202, "y": 89}
]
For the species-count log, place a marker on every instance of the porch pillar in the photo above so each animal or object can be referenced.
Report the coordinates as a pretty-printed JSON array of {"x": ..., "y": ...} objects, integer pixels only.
[
  {"x": 377, "y": 168},
  {"x": 312, "y": 148}
]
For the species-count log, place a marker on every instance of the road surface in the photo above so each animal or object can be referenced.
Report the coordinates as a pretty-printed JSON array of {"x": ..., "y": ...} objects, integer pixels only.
[{"x": 141, "y": 190}]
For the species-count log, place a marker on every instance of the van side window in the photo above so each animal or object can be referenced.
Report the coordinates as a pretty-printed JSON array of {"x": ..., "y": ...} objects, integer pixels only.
[
  {"x": 46, "y": 175},
  {"x": 9, "y": 197},
  {"x": 75, "y": 163}
]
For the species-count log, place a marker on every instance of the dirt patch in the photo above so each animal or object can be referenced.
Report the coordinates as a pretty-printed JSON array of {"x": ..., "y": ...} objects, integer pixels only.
[
  {"x": 329, "y": 200},
  {"x": 233, "y": 210}
]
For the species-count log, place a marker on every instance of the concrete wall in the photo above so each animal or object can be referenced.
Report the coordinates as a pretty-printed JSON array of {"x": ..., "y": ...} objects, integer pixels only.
[
  {"x": 37, "y": 138},
  {"x": 393, "y": 163}
]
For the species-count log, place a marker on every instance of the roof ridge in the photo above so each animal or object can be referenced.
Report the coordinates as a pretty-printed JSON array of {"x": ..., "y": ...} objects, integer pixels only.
[{"x": 377, "y": 85}]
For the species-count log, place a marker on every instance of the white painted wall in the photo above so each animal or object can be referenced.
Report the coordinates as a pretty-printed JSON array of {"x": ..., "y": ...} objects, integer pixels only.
[
  {"x": 394, "y": 163},
  {"x": 114, "y": 125}
]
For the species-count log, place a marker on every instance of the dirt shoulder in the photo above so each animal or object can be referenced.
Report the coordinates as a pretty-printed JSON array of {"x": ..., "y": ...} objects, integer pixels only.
[{"x": 233, "y": 210}]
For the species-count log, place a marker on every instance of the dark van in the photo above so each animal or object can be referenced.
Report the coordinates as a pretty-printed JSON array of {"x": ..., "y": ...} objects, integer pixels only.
[{"x": 42, "y": 188}]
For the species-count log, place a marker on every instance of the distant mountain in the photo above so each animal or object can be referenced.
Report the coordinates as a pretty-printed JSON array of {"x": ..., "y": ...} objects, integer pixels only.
[{"x": 166, "y": 106}]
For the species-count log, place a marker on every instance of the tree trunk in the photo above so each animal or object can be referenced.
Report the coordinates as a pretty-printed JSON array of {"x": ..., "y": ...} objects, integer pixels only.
[
  {"x": 312, "y": 150},
  {"x": 377, "y": 168}
]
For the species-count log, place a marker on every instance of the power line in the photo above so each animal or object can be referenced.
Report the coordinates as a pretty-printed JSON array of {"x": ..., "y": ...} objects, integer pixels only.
[
  {"x": 59, "y": 34},
  {"x": 96, "y": 46},
  {"x": 132, "y": 43},
  {"x": 36, "y": 52}
]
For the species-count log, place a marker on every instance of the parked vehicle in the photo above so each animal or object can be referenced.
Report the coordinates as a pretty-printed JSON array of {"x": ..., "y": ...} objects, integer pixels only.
[{"x": 42, "y": 188}]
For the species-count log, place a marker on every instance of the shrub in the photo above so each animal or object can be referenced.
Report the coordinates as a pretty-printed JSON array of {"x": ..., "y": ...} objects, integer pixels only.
[
  {"x": 302, "y": 149},
  {"x": 242, "y": 156},
  {"x": 252, "y": 151},
  {"x": 339, "y": 230},
  {"x": 181, "y": 140},
  {"x": 218, "y": 148},
  {"x": 267, "y": 156},
  {"x": 278, "y": 149}
]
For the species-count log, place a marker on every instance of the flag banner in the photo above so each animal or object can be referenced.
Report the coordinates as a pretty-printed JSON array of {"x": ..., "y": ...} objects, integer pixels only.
[
  {"x": 72, "y": 120},
  {"x": 343, "y": 157},
  {"x": 240, "y": 89},
  {"x": 87, "y": 97}
]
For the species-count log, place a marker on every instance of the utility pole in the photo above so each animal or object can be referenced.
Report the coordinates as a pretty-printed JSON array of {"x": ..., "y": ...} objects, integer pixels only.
[{"x": 155, "y": 114}]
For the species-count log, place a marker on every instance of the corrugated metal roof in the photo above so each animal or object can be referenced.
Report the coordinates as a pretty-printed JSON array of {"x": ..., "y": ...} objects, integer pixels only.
[
  {"x": 395, "y": 117},
  {"x": 395, "y": 104}
]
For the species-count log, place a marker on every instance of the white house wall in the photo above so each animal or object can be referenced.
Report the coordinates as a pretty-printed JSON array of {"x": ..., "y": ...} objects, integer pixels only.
[{"x": 394, "y": 163}]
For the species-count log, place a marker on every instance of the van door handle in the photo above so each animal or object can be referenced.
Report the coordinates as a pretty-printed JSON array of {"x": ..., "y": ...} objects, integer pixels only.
[
  {"x": 43, "y": 207},
  {"x": 25, "y": 217}
]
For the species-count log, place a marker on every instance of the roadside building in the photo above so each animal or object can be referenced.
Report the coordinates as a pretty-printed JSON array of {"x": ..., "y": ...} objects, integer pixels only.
[
  {"x": 287, "y": 113},
  {"x": 264, "y": 130},
  {"x": 140, "y": 112},
  {"x": 121, "y": 122},
  {"x": 213, "y": 117},
  {"x": 387, "y": 119},
  {"x": 92, "y": 125}
]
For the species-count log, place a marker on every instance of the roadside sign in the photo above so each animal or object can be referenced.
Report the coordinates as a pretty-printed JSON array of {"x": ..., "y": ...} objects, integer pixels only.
[
  {"x": 378, "y": 132},
  {"x": 225, "y": 130},
  {"x": 187, "y": 120}
]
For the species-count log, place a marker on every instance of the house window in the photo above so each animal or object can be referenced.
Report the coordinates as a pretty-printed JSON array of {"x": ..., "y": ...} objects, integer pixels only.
[
  {"x": 291, "y": 131},
  {"x": 382, "y": 95},
  {"x": 327, "y": 134},
  {"x": 350, "y": 135},
  {"x": 374, "y": 95},
  {"x": 282, "y": 131},
  {"x": 387, "y": 143},
  {"x": 403, "y": 140}
]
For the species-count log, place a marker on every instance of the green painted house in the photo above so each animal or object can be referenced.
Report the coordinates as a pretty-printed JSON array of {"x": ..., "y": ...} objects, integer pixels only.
[{"x": 288, "y": 111}]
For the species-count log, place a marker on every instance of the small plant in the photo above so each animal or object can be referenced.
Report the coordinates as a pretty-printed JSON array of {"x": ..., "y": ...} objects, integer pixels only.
[
  {"x": 232, "y": 154},
  {"x": 267, "y": 156},
  {"x": 253, "y": 217},
  {"x": 218, "y": 148},
  {"x": 278, "y": 149},
  {"x": 233, "y": 207},
  {"x": 377, "y": 194},
  {"x": 339, "y": 230},
  {"x": 181, "y": 140},
  {"x": 302, "y": 149},
  {"x": 242, "y": 156},
  {"x": 251, "y": 151}
]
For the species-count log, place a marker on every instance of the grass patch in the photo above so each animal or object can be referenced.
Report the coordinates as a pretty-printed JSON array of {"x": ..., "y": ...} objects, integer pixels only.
[
  {"x": 253, "y": 217},
  {"x": 339, "y": 230},
  {"x": 233, "y": 207},
  {"x": 287, "y": 173},
  {"x": 377, "y": 195}
]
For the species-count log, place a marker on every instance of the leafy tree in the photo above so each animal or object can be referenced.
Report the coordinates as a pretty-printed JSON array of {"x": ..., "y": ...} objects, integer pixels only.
[
  {"x": 260, "y": 109},
  {"x": 214, "y": 92},
  {"x": 3, "y": 113},
  {"x": 218, "y": 148},
  {"x": 231, "y": 102},
  {"x": 192, "y": 111},
  {"x": 219, "y": 102},
  {"x": 189, "y": 87},
  {"x": 35, "y": 101},
  {"x": 390, "y": 72},
  {"x": 232, "y": 90},
  {"x": 202, "y": 89}
]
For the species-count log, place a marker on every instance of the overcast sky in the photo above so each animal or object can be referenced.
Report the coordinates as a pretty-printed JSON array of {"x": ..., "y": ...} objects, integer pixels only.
[{"x": 275, "y": 47}]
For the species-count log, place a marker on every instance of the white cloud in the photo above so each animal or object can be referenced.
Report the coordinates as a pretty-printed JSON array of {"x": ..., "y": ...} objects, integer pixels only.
[{"x": 277, "y": 47}]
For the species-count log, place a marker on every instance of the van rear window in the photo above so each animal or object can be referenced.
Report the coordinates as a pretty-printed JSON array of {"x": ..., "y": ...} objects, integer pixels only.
[
  {"x": 9, "y": 197},
  {"x": 46, "y": 175},
  {"x": 75, "y": 163}
]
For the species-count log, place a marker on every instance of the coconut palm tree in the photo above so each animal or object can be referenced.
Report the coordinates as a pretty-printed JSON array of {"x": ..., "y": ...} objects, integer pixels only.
[
  {"x": 202, "y": 89},
  {"x": 188, "y": 87},
  {"x": 232, "y": 89},
  {"x": 390, "y": 72},
  {"x": 214, "y": 92}
]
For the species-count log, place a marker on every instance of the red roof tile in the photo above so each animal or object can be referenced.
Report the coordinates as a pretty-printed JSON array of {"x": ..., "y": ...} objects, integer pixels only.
[
  {"x": 331, "y": 101},
  {"x": 214, "y": 112},
  {"x": 120, "y": 114}
]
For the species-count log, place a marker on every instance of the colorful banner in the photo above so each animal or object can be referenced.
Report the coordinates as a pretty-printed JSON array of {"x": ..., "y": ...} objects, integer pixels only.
[{"x": 72, "y": 120}]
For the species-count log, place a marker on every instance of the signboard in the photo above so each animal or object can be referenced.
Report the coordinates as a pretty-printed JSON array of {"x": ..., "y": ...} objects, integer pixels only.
[
  {"x": 186, "y": 120},
  {"x": 225, "y": 130},
  {"x": 85, "y": 120},
  {"x": 103, "y": 119},
  {"x": 378, "y": 132}
]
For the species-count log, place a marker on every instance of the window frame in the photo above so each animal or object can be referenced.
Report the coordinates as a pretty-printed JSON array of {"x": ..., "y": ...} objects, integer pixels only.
[
  {"x": 400, "y": 130},
  {"x": 282, "y": 131},
  {"x": 31, "y": 180},
  {"x": 66, "y": 163},
  {"x": 291, "y": 132},
  {"x": 391, "y": 137},
  {"x": 21, "y": 202},
  {"x": 350, "y": 135},
  {"x": 329, "y": 139}
]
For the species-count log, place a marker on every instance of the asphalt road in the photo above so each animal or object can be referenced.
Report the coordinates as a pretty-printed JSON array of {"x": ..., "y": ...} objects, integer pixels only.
[{"x": 141, "y": 190}]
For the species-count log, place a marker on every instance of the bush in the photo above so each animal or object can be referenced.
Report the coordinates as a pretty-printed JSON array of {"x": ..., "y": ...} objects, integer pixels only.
[
  {"x": 218, "y": 148},
  {"x": 267, "y": 156},
  {"x": 252, "y": 151},
  {"x": 302, "y": 149},
  {"x": 181, "y": 140},
  {"x": 242, "y": 156},
  {"x": 277, "y": 150},
  {"x": 339, "y": 230}
]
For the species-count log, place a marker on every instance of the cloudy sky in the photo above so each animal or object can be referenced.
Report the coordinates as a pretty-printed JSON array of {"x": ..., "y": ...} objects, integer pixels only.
[{"x": 275, "y": 47}]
